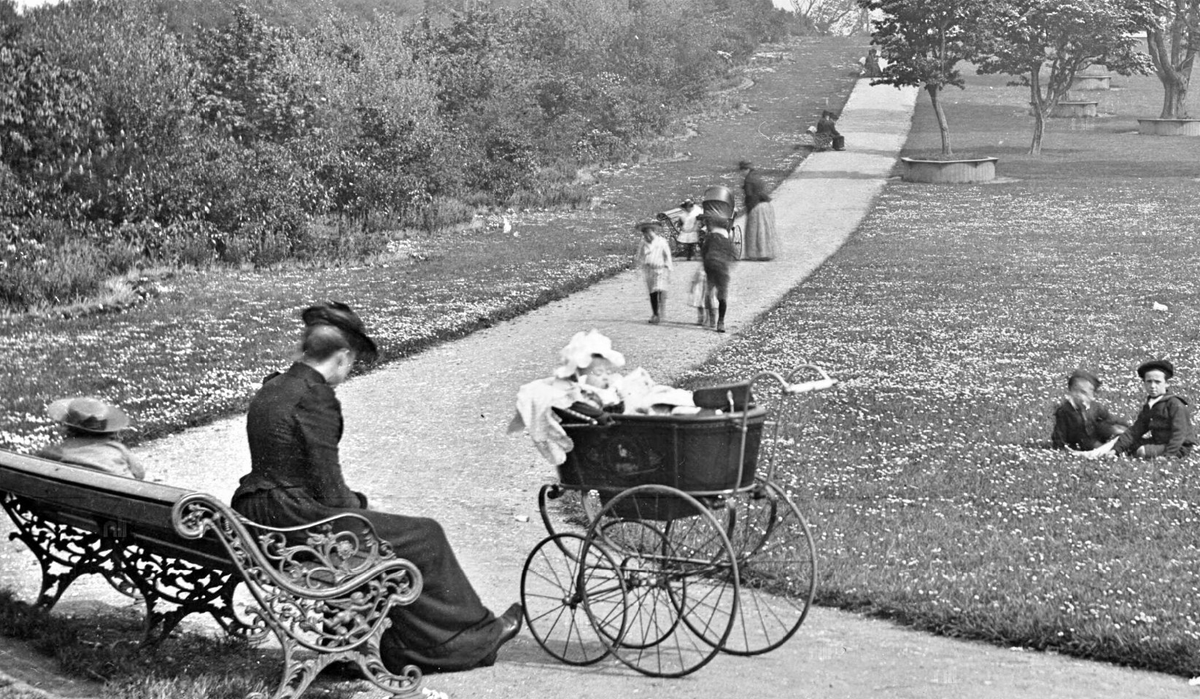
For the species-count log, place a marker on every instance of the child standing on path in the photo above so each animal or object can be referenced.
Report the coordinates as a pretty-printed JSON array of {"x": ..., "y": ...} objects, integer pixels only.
[{"x": 654, "y": 256}]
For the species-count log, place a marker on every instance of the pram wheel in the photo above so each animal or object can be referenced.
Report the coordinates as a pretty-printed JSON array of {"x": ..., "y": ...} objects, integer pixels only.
[
  {"x": 572, "y": 593},
  {"x": 564, "y": 510},
  {"x": 677, "y": 565},
  {"x": 776, "y": 567}
]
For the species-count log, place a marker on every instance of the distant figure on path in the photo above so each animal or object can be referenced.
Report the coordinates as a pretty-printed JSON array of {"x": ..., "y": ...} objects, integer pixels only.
[
  {"x": 654, "y": 257},
  {"x": 91, "y": 428},
  {"x": 294, "y": 425},
  {"x": 689, "y": 228},
  {"x": 718, "y": 252},
  {"x": 1081, "y": 423},
  {"x": 827, "y": 129},
  {"x": 871, "y": 67},
  {"x": 759, "y": 242}
]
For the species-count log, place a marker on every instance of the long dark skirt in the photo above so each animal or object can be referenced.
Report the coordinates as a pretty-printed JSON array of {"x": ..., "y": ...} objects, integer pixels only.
[{"x": 447, "y": 628}]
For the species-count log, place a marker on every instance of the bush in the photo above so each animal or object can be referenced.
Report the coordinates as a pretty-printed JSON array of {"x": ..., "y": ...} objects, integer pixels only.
[{"x": 46, "y": 263}]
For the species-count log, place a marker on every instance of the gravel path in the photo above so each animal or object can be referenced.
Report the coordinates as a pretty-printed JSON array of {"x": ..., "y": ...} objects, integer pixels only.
[{"x": 428, "y": 436}]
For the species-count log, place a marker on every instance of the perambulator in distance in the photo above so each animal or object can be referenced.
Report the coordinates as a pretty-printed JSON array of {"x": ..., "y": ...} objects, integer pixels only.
[
  {"x": 718, "y": 203},
  {"x": 683, "y": 224}
]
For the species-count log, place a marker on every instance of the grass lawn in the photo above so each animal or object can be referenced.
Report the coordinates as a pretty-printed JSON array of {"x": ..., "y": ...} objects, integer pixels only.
[{"x": 953, "y": 317}]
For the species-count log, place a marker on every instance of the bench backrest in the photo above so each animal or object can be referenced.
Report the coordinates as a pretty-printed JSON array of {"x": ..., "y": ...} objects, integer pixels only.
[{"x": 112, "y": 506}]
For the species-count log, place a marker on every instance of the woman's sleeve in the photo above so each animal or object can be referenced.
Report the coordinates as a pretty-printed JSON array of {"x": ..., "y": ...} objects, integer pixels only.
[{"x": 319, "y": 422}]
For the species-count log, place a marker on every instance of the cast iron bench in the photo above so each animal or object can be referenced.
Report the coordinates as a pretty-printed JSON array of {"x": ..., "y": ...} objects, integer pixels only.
[{"x": 324, "y": 588}]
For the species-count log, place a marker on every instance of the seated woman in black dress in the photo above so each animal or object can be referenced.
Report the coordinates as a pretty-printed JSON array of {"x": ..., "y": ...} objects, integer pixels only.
[{"x": 294, "y": 425}]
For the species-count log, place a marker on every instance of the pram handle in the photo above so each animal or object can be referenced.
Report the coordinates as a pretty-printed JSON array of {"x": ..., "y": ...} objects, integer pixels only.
[
  {"x": 821, "y": 384},
  {"x": 809, "y": 386}
]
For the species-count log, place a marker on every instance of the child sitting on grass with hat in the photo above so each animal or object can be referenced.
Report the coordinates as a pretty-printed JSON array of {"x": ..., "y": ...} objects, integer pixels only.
[
  {"x": 654, "y": 257},
  {"x": 91, "y": 428},
  {"x": 1164, "y": 424}
]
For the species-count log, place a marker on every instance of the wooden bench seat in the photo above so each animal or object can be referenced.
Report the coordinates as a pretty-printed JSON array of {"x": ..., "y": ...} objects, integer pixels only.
[{"x": 325, "y": 588}]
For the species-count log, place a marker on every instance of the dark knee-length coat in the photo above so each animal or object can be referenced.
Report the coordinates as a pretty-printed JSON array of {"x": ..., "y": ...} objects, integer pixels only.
[{"x": 294, "y": 426}]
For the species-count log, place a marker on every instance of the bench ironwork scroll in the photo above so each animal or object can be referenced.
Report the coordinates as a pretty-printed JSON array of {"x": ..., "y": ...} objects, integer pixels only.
[
  {"x": 172, "y": 588},
  {"x": 325, "y": 587}
]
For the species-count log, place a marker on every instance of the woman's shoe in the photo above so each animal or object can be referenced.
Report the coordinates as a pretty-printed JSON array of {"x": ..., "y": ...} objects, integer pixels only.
[{"x": 720, "y": 327}]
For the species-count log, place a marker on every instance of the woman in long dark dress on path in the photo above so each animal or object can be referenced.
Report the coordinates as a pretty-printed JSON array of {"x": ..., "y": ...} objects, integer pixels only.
[{"x": 759, "y": 241}]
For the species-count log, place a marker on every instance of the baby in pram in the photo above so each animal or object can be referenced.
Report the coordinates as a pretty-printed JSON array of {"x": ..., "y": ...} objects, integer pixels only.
[{"x": 587, "y": 386}]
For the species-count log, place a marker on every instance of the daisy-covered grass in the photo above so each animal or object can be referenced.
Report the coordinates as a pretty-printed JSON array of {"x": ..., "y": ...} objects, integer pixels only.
[{"x": 952, "y": 318}]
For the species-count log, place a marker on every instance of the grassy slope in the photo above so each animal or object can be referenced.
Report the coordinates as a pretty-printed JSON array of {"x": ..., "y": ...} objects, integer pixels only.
[{"x": 953, "y": 317}]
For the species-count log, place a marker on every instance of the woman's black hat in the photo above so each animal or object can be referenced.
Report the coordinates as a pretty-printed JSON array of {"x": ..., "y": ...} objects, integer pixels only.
[{"x": 341, "y": 317}]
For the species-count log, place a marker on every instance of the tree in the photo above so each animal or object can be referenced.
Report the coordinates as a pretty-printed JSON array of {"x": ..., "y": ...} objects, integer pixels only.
[
  {"x": 829, "y": 16},
  {"x": 923, "y": 41},
  {"x": 1046, "y": 42},
  {"x": 1172, "y": 38}
]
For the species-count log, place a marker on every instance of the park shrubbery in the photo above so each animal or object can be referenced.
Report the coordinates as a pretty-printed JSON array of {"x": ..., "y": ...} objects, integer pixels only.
[{"x": 244, "y": 142}]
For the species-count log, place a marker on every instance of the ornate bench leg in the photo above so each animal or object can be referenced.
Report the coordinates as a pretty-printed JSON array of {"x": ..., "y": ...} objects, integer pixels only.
[
  {"x": 63, "y": 552},
  {"x": 174, "y": 588}
]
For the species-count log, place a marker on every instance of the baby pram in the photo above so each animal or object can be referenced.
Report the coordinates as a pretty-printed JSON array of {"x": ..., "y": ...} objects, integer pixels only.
[{"x": 689, "y": 543}]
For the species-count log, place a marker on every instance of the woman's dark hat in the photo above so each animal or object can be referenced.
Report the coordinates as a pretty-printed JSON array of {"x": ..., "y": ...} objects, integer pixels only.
[
  {"x": 1085, "y": 375},
  {"x": 341, "y": 317},
  {"x": 648, "y": 225},
  {"x": 1167, "y": 368},
  {"x": 88, "y": 414}
]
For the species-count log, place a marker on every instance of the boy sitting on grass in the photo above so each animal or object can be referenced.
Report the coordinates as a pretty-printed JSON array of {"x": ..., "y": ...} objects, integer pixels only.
[
  {"x": 1164, "y": 424},
  {"x": 1081, "y": 423}
]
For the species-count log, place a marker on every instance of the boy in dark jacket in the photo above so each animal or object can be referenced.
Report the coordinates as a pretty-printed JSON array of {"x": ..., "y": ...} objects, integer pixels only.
[
  {"x": 1164, "y": 425},
  {"x": 1081, "y": 423}
]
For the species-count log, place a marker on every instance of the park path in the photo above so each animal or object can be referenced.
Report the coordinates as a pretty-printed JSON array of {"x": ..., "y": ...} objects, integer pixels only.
[{"x": 427, "y": 436}]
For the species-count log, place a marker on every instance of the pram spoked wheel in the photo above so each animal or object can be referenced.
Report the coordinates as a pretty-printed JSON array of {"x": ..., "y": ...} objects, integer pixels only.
[
  {"x": 777, "y": 567},
  {"x": 572, "y": 594},
  {"x": 679, "y": 574}
]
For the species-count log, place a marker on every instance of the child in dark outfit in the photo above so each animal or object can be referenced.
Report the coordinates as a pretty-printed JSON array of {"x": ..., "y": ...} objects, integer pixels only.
[
  {"x": 1164, "y": 424},
  {"x": 1081, "y": 423}
]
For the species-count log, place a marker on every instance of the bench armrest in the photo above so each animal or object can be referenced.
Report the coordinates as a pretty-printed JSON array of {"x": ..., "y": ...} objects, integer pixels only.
[{"x": 332, "y": 562}]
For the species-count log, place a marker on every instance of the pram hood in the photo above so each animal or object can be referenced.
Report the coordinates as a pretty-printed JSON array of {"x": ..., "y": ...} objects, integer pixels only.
[{"x": 718, "y": 199}]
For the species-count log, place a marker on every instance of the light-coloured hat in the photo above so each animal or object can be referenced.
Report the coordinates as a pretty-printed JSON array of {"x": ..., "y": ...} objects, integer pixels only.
[
  {"x": 88, "y": 414},
  {"x": 582, "y": 348}
]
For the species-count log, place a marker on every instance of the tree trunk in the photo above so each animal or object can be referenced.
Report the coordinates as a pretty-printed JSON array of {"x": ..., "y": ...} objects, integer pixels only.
[
  {"x": 935, "y": 92},
  {"x": 1173, "y": 51},
  {"x": 1174, "y": 101},
  {"x": 1039, "y": 112}
]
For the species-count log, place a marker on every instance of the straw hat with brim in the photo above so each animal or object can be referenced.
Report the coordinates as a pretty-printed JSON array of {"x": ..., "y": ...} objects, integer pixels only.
[
  {"x": 88, "y": 414},
  {"x": 1167, "y": 368},
  {"x": 582, "y": 349},
  {"x": 649, "y": 226},
  {"x": 341, "y": 317}
]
